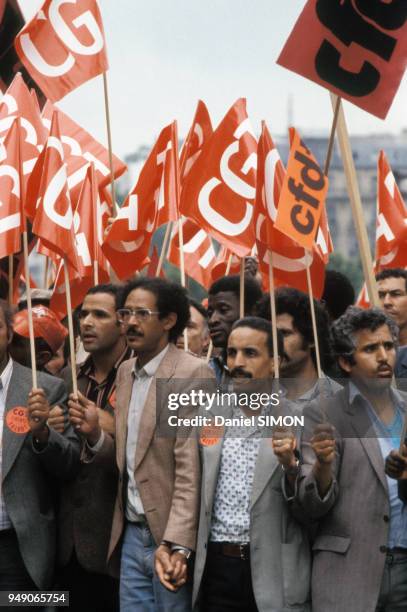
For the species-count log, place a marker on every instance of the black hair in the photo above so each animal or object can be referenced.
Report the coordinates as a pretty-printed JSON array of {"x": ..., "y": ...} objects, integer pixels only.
[
  {"x": 113, "y": 290},
  {"x": 170, "y": 297},
  {"x": 252, "y": 290},
  {"x": 296, "y": 303},
  {"x": 199, "y": 307},
  {"x": 354, "y": 320},
  {"x": 262, "y": 325},
  {"x": 392, "y": 273},
  {"x": 338, "y": 293}
]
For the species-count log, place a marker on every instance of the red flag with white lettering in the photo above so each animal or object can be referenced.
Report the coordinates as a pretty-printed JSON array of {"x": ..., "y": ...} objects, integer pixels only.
[
  {"x": 219, "y": 191},
  {"x": 391, "y": 224},
  {"x": 18, "y": 102},
  {"x": 87, "y": 226},
  {"x": 200, "y": 132},
  {"x": 50, "y": 209},
  {"x": 152, "y": 202},
  {"x": 80, "y": 149},
  {"x": 63, "y": 46},
  {"x": 199, "y": 254},
  {"x": 11, "y": 220}
]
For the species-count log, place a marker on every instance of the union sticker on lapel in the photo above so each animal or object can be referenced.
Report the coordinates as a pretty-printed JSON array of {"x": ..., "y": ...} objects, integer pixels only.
[
  {"x": 17, "y": 420},
  {"x": 210, "y": 435}
]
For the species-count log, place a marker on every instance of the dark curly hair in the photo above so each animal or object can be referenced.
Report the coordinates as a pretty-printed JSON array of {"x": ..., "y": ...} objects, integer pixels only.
[
  {"x": 252, "y": 290},
  {"x": 354, "y": 320},
  {"x": 296, "y": 303},
  {"x": 260, "y": 324},
  {"x": 392, "y": 273},
  {"x": 170, "y": 297},
  {"x": 338, "y": 293}
]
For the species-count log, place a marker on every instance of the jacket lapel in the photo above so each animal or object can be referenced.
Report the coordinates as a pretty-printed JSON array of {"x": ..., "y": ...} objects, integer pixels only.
[
  {"x": 123, "y": 397},
  {"x": 17, "y": 395},
  {"x": 266, "y": 465},
  {"x": 148, "y": 418}
]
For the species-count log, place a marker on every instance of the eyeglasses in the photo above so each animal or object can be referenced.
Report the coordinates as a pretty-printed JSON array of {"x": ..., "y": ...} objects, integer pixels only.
[{"x": 141, "y": 314}]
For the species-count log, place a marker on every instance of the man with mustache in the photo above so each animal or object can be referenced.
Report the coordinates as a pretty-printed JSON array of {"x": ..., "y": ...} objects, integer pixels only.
[
  {"x": 155, "y": 518},
  {"x": 87, "y": 503},
  {"x": 223, "y": 311},
  {"x": 251, "y": 554},
  {"x": 360, "y": 548}
]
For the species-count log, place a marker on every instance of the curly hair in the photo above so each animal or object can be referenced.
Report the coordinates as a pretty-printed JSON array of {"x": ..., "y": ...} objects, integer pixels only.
[
  {"x": 392, "y": 273},
  {"x": 170, "y": 297},
  {"x": 260, "y": 324},
  {"x": 296, "y": 304},
  {"x": 354, "y": 320},
  {"x": 252, "y": 290}
]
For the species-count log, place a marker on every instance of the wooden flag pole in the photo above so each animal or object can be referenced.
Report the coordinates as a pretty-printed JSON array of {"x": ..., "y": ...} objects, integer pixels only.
[
  {"x": 313, "y": 317},
  {"x": 10, "y": 279},
  {"x": 70, "y": 329},
  {"x": 164, "y": 247},
  {"x": 356, "y": 204},
  {"x": 241, "y": 301},
  {"x": 30, "y": 311},
  {"x": 273, "y": 317},
  {"x": 95, "y": 273},
  {"x": 332, "y": 136},
  {"x": 182, "y": 268},
  {"x": 109, "y": 142}
]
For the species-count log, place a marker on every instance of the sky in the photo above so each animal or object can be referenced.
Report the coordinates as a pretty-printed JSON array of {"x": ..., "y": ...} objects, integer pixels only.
[{"x": 166, "y": 54}]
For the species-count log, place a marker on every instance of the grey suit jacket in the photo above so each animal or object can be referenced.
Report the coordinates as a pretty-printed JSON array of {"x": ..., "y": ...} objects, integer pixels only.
[
  {"x": 349, "y": 548},
  {"x": 279, "y": 547},
  {"x": 29, "y": 477}
]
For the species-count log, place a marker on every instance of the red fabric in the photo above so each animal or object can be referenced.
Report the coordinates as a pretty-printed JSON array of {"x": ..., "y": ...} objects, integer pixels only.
[
  {"x": 11, "y": 220},
  {"x": 63, "y": 46},
  {"x": 199, "y": 254},
  {"x": 219, "y": 191}
]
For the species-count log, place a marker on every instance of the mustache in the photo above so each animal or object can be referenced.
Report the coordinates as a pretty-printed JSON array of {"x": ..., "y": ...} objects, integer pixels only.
[
  {"x": 134, "y": 331},
  {"x": 240, "y": 373}
]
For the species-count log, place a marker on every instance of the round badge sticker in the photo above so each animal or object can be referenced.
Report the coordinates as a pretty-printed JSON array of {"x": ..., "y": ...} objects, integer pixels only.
[
  {"x": 210, "y": 435},
  {"x": 17, "y": 420}
]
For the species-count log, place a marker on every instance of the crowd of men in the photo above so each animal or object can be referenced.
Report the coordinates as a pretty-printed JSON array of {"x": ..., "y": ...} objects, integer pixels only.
[{"x": 97, "y": 501}]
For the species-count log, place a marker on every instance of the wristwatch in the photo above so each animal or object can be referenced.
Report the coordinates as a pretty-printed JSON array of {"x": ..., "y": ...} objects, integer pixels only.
[
  {"x": 184, "y": 551},
  {"x": 293, "y": 469}
]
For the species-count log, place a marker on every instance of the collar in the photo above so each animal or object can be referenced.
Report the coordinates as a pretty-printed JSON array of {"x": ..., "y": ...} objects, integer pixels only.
[
  {"x": 150, "y": 368},
  {"x": 354, "y": 393},
  {"x": 87, "y": 368},
  {"x": 5, "y": 376}
]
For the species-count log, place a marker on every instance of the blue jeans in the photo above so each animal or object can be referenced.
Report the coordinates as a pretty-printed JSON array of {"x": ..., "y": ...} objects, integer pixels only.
[{"x": 140, "y": 587}]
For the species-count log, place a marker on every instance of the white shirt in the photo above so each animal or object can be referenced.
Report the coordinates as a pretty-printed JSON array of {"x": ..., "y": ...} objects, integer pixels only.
[
  {"x": 143, "y": 378},
  {"x": 5, "y": 376}
]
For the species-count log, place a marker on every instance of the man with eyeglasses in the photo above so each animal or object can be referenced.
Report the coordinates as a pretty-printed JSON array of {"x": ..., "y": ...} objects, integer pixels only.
[
  {"x": 392, "y": 289},
  {"x": 87, "y": 503},
  {"x": 156, "y": 513}
]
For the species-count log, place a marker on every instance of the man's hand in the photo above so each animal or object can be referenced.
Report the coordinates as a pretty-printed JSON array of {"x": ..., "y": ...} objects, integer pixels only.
[
  {"x": 323, "y": 444},
  {"x": 84, "y": 417},
  {"x": 171, "y": 568},
  {"x": 56, "y": 419},
  {"x": 284, "y": 445},
  {"x": 396, "y": 464},
  {"x": 106, "y": 421},
  {"x": 38, "y": 414}
]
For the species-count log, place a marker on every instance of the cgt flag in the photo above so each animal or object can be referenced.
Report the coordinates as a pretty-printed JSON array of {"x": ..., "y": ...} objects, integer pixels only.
[
  {"x": 11, "y": 219},
  {"x": 63, "y": 46},
  {"x": 302, "y": 196},
  {"x": 198, "y": 135},
  {"x": 219, "y": 191},
  {"x": 391, "y": 224}
]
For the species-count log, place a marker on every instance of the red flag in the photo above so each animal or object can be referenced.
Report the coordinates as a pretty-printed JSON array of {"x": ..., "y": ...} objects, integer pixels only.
[
  {"x": 11, "y": 221},
  {"x": 17, "y": 101},
  {"x": 199, "y": 254},
  {"x": 51, "y": 211},
  {"x": 391, "y": 224},
  {"x": 198, "y": 135},
  {"x": 87, "y": 226},
  {"x": 221, "y": 262},
  {"x": 153, "y": 265},
  {"x": 219, "y": 191},
  {"x": 363, "y": 298},
  {"x": 63, "y": 46},
  {"x": 80, "y": 149},
  {"x": 151, "y": 203},
  {"x": 289, "y": 259}
]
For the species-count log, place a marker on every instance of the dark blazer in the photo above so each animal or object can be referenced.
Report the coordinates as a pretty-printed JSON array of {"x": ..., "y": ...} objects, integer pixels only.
[
  {"x": 28, "y": 476},
  {"x": 352, "y": 533}
]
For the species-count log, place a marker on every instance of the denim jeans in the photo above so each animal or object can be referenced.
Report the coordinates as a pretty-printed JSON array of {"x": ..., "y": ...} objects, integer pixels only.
[
  {"x": 393, "y": 590},
  {"x": 140, "y": 587}
]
